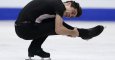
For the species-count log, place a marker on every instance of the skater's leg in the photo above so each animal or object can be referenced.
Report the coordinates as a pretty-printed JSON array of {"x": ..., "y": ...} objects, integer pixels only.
[
  {"x": 87, "y": 33},
  {"x": 91, "y": 32},
  {"x": 35, "y": 48}
]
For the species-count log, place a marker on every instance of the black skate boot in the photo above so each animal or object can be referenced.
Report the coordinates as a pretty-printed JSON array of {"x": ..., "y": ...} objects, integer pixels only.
[
  {"x": 87, "y": 34},
  {"x": 40, "y": 53}
]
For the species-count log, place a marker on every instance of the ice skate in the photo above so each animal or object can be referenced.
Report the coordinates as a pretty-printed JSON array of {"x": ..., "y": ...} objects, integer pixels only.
[
  {"x": 30, "y": 58},
  {"x": 87, "y": 34},
  {"x": 43, "y": 55}
]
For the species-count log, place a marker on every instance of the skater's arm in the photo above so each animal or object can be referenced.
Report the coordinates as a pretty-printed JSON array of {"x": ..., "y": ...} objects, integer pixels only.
[{"x": 61, "y": 30}]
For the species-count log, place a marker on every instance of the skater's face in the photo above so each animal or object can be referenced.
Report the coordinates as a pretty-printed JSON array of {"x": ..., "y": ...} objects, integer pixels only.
[{"x": 70, "y": 11}]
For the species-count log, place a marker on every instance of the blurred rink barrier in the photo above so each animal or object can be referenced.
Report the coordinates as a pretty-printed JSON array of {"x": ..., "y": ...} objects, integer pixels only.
[{"x": 93, "y": 10}]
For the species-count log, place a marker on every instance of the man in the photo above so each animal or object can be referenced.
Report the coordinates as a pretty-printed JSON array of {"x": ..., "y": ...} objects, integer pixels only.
[{"x": 41, "y": 18}]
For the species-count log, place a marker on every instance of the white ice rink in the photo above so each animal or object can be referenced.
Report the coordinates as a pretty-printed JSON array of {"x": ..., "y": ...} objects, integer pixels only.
[{"x": 61, "y": 47}]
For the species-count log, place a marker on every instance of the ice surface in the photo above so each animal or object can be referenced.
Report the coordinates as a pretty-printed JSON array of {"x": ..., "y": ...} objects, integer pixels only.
[{"x": 61, "y": 47}]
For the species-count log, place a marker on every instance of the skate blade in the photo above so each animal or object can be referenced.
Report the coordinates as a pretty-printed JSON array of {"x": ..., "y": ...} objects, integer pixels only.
[
  {"x": 32, "y": 59},
  {"x": 40, "y": 59},
  {"x": 45, "y": 58}
]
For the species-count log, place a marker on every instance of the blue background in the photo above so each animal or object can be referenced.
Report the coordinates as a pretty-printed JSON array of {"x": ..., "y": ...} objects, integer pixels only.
[{"x": 88, "y": 14}]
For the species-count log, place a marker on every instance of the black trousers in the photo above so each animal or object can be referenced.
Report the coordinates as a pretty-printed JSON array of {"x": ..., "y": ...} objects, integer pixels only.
[{"x": 37, "y": 32}]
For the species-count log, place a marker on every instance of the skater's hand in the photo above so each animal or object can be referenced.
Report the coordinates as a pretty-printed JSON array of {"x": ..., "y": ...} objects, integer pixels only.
[{"x": 75, "y": 33}]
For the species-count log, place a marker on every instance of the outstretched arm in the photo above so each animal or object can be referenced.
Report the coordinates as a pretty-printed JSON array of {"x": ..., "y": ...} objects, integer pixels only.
[{"x": 62, "y": 30}]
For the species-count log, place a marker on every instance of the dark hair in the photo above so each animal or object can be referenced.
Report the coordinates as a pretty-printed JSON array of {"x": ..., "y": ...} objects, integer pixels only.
[{"x": 76, "y": 6}]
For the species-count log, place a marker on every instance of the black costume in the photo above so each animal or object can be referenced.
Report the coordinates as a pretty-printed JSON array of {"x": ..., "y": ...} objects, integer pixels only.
[{"x": 36, "y": 22}]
